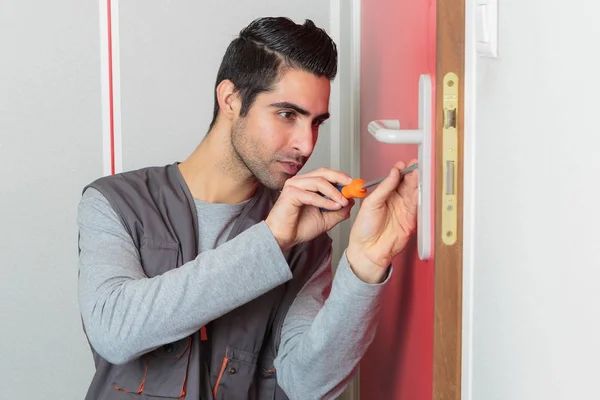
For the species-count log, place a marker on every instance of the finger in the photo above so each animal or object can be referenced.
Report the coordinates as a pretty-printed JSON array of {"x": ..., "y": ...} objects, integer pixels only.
[
  {"x": 332, "y": 218},
  {"x": 408, "y": 187},
  {"x": 331, "y": 175},
  {"x": 321, "y": 185},
  {"x": 409, "y": 182},
  {"x": 400, "y": 165},
  {"x": 299, "y": 197},
  {"x": 385, "y": 189},
  {"x": 414, "y": 203}
]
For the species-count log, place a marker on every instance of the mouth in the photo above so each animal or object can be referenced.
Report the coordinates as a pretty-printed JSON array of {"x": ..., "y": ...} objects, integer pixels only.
[{"x": 290, "y": 167}]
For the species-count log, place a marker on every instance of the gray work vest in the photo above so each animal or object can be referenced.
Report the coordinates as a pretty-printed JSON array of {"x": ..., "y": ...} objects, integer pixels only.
[{"x": 235, "y": 360}]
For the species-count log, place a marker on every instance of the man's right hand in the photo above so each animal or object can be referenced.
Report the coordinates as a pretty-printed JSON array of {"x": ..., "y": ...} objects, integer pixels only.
[{"x": 296, "y": 216}]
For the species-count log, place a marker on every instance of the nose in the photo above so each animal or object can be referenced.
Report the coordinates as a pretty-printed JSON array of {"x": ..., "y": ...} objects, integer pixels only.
[{"x": 304, "y": 140}]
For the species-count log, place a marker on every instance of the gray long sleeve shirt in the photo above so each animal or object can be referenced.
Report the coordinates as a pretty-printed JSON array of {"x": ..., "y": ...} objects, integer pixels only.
[{"x": 126, "y": 314}]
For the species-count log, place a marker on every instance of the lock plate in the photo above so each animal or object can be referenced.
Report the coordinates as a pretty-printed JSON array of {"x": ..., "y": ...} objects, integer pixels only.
[{"x": 450, "y": 159}]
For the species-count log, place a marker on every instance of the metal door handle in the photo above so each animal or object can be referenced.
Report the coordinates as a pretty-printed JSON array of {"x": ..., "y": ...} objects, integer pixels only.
[{"x": 388, "y": 131}]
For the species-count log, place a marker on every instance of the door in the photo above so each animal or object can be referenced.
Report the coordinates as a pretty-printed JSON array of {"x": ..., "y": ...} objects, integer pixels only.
[{"x": 416, "y": 352}]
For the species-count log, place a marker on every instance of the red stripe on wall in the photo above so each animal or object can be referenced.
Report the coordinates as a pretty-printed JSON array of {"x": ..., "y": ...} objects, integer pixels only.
[{"x": 110, "y": 88}]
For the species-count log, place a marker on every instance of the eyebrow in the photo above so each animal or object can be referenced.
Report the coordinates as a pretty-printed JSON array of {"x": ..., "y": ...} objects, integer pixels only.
[{"x": 299, "y": 110}]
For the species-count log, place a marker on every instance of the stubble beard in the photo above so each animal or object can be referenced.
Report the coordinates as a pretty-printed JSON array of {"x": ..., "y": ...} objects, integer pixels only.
[{"x": 247, "y": 157}]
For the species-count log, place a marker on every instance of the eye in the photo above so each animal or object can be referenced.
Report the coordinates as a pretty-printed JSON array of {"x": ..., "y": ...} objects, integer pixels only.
[
  {"x": 287, "y": 115},
  {"x": 318, "y": 123}
]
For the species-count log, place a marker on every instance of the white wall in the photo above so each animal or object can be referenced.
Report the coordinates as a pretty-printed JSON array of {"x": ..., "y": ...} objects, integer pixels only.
[
  {"x": 532, "y": 257},
  {"x": 51, "y": 146}
]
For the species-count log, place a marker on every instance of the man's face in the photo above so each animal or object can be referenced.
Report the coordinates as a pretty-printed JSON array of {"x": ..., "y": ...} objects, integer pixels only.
[{"x": 278, "y": 135}]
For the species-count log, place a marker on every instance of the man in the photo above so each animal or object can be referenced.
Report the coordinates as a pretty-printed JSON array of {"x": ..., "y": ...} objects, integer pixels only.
[{"x": 211, "y": 278}]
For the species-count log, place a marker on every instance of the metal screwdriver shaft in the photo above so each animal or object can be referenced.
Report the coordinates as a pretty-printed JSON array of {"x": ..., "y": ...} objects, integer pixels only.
[{"x": 377, "y": 181}]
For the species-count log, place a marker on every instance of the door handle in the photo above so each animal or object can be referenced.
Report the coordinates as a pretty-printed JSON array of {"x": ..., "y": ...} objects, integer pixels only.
[{"x": 388, "y": 131}]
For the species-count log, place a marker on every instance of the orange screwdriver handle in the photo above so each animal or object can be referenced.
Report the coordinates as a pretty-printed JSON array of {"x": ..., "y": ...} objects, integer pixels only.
[{"x": 354, "y": 189}]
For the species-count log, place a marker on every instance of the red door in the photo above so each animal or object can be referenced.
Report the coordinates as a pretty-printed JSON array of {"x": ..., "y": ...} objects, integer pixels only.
[{"x": 397, "y": 46}]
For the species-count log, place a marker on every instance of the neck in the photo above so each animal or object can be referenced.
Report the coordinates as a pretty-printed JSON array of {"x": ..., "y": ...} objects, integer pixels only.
[{"x": 214, "y": 173}]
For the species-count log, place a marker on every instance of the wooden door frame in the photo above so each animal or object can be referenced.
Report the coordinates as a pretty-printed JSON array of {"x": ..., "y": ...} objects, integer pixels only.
[{"x": 448, "y": 287}]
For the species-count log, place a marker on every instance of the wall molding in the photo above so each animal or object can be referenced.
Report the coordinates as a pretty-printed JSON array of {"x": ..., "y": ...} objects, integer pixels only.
[
  {"x": 110, "y": 66},
  {"x": 345, "y": 22}
]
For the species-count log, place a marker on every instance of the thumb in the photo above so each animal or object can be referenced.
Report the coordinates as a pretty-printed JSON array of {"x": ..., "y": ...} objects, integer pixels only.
[{"x": 385, "y": 189}]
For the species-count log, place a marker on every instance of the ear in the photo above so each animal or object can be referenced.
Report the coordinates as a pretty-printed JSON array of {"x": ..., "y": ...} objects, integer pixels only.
[{"x": 229, "y": 103}]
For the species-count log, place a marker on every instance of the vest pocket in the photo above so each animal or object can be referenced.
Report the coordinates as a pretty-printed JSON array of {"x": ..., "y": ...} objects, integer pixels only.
[
  {"x": 266, "y": 384},
  {"x": 158, "y": 255},
  {"x": 160, "y": 373},
  {"x": 240, "y": 377}
]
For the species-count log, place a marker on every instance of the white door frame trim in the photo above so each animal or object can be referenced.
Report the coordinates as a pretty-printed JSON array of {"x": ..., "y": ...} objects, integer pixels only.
[
  {"x": 470, "y": 80},
  {"x": 345, "y": 128}
]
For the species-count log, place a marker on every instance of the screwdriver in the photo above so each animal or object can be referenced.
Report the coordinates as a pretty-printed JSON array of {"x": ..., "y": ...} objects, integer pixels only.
[{"x": 358, "y": 187}]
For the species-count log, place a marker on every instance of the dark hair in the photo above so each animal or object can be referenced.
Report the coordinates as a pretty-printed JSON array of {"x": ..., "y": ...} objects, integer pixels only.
[{"x": 265, "y": 48}]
